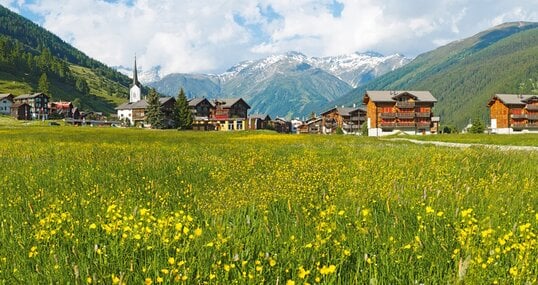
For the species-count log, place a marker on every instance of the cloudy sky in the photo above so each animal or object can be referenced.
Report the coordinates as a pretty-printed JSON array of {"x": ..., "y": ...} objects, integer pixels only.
[{"x": 213, "y": 35}]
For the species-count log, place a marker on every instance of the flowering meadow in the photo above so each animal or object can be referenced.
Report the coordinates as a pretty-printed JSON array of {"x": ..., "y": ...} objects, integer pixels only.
[{"x": 131, "y": 206}]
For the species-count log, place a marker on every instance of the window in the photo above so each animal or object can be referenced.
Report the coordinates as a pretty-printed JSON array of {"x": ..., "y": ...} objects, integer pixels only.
[
  {"x": 230, "y": 125},
  {"x": 239, "y": 125}
]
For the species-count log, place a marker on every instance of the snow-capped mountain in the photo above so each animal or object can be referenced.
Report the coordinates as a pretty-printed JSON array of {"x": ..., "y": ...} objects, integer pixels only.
[
  {"x": 144, "y": 76},
  {"x": 290, "y": 84}
]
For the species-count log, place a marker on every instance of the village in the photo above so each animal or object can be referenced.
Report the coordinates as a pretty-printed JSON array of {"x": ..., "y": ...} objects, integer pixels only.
[{"x": 382, "y": 113}]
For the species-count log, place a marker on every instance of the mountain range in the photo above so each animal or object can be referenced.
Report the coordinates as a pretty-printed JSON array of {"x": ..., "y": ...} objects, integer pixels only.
[
  {"x": 286, "y": 85},
  {"x": 462, "y": 75},
  {"x": 465, "y": 74}
]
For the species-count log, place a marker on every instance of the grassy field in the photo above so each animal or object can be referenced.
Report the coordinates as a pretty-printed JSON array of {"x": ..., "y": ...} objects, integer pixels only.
[
  {"x": 517, "y": 139},
  {"x": 131, "y": 206}
]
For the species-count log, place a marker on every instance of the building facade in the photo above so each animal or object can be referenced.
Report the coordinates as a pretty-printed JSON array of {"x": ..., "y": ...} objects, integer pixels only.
[
  {"x": 39, "y": 104},
  {"x": 6, "y": 101},
  {"x": 511, "y": 113},
  {"x": 349, "y": 120},
  {"x": 391, "y": 112},
  {"x": 219, "y": 114},
  {"x": 21, "y": 111}
]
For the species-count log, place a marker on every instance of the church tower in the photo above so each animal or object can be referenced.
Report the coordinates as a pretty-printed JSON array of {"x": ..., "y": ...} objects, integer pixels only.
[{"x": 136, "y": 87}]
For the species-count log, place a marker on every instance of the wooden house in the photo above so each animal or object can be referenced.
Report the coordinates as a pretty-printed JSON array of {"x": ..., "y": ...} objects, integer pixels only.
[
  {"x": 39, "y": 104},
  {"x": 281, "y": 125},
  {"x": 311, "y": 126},
  {"x": 511, "y": 113},
  {"x": 390, "y": 112},
  {"x": 21, "y": 111},
  {"x": 230, "y": 114},
  {"x": 202, "y": 110},
  {"x": 61, "y": 109},
  {"x": 347, "y": 119},
  {"x": 6, "y": 101},
  {"x": 258, "y": 121},
  {"x": 135, "y": 112}
]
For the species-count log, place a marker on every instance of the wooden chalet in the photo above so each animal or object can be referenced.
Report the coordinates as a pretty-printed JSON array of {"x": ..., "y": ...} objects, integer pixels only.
[
  {"x": 231, "y": 114},
  {"x": 280, "y": 125},
  {"x": 513, "y": 113},
  {"x": 21, "y": 111},
  {"x": 311, "y": 126},
  {"x": 348, "y": 119},
  {"x": 135, "y": 112},
  {"x": 390, "y": 112},
  {"x": 62, "y": 109},
  {"x": 202, "y": 110},
  {"x": 258, "y": 121},
  {"x": 39, "y": 104}
]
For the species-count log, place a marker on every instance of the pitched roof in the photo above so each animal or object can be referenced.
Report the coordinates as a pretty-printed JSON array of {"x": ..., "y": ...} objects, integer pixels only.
[
  {"x": 390, "y": 96},
  {"x": 229, "y": 102},
  {"x": 7, "y": 96},
  {"x": 17, "y": 105},
  {"x": 260, "y": 116},
  {"x": 511, "y": 99},
  {"x": 30, "y": 96},
  {"x": 343, "y": 111},
  {"x": 142, "y": 104},
  {"x": 195, "y": 101}
]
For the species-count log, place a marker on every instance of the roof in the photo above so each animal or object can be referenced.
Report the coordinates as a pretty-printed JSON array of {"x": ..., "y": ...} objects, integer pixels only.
[
  {"x": 18, "y": 105},
  {"x": 229, "y": 102},
  {"x": 391, "y": 96},
  {"x": 260, "y": 116},
  {"x": 142, "y": 104},
  {"x": 195, "y": 101},
  {"x": 344, "y": 111},
  {"x": 62, "y": 105},
  {"x": 31, "y": 96},
  {"x": 7, "y": 96},
  {"x": 511, "y": 99}
]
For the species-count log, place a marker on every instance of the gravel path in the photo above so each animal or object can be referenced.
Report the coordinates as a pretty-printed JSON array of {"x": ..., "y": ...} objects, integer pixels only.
[{"x": 467, "y": 145}]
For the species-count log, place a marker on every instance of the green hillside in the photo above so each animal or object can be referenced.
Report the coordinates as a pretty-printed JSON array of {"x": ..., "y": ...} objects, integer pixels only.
[
  {"x": 28, "y": 51},
  {"x": 463, "y": 75}
]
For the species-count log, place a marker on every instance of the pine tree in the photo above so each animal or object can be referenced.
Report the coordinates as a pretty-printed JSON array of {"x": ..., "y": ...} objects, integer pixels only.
[
  {"x": 154, "y": 114},
  {"x": 184, "y": 115},
  {"x": 477, "y": 126},
  {"x": 44, "y": 85}
]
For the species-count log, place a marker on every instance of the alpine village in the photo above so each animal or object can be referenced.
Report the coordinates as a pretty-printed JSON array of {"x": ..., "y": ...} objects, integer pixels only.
[{"x": 279, "y": 167}]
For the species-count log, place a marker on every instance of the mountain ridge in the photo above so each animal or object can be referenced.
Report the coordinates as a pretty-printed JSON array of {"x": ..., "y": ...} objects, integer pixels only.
[{"x": 267, "y": 81}]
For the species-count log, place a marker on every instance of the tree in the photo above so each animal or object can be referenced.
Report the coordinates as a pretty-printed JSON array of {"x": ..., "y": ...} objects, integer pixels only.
[
  {"x": 44, "y": 85},
  {"x": 77, "y": 103},
  {"x": 154, "y": 114},
  {"x": 477, "y": 126},
  {"x": 184, "y": 115},
  {"x": 364, "y": 129}
]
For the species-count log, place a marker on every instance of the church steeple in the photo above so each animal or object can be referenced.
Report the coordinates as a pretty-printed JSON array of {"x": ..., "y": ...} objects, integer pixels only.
[
  {"x": 135, "y": 93},
  {"x": 135, "y": 74}
]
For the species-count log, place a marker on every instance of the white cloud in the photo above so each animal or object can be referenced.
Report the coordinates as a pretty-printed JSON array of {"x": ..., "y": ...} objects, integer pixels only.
[{"x": 207, "y": 35}]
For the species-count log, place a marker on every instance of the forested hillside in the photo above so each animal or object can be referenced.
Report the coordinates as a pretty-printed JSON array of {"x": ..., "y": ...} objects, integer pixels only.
[
  {"x": 463, "y": 75},
  {"x": 28, "y": 53}
]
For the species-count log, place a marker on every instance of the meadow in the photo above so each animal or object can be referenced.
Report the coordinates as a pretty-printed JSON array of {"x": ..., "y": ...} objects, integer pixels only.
[{"x": 131, "y": 206}]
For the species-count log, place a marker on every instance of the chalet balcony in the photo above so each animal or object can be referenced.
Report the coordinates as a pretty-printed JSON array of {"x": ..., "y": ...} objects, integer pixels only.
[
  {"x": 405, "y": 124},
  {"x": 387, "y": 115},
  {"x": 424, "y": 124},
  {"x": 423, "y": 114},
  {"x": 405, "y": 105},
  {"x": 532, "y": 117},
  {"x": 358, "y": 118},
  {"x": 532, "y": 107},
  {"x": 518, "y": 116},
  {"x": 406, "y": 115},
  {"x": 388, "y": 125},
  {"x": 522, "y": 126}
]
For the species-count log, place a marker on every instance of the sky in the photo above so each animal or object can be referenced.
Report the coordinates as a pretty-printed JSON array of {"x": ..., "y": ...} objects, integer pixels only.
[{"x": 210, "y": 36}]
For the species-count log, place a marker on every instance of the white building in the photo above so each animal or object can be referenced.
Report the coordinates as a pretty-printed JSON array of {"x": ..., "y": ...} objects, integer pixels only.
[
  {"x": 6, "y": 101},
  {"x": 125, "y": 111}
]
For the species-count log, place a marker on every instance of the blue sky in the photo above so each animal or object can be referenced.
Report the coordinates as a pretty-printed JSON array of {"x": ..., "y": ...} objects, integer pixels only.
[{"x": 211, "y": 36}]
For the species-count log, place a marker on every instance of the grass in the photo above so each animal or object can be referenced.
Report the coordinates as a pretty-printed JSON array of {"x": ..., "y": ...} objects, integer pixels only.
[
  {"x": 104, "y": 205},
  {"x": 517, "y": 139}
]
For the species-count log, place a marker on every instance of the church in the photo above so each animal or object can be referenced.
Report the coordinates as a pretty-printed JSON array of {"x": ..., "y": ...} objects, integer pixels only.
[{"x": 134, "y": 110}]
